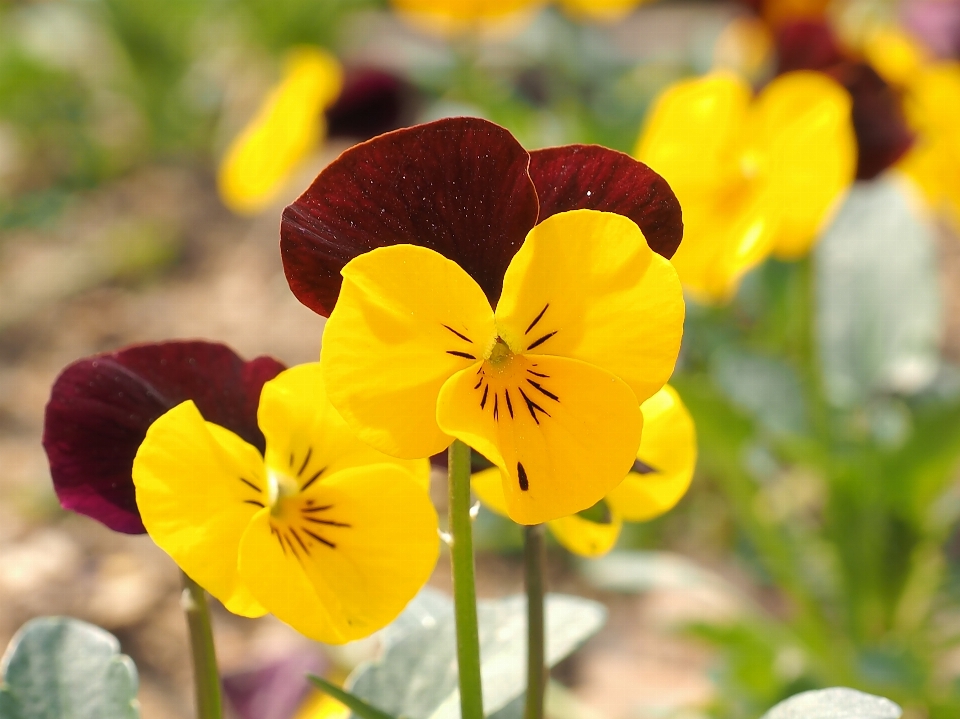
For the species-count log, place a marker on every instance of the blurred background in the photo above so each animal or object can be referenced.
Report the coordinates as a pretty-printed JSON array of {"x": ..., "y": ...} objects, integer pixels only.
[{"x": 818, "y": 544}]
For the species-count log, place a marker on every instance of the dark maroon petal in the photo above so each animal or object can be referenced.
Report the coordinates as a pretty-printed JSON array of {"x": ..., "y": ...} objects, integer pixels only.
[
  {"x": 806, "y": 45},
  {"x": 100, "y": 408},
  {"x": 458, "y": 186},
  {"x": 589, "y": 177},
  {"x": 372, "y": 102},
  {"x": 878, "y": 121}
]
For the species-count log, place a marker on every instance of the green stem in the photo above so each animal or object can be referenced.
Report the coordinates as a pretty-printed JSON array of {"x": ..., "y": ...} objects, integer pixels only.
[
  {"x": 533, "y": 561},
  {"x": 464, "y": 586},
  {"x": 206, "y": 678}
]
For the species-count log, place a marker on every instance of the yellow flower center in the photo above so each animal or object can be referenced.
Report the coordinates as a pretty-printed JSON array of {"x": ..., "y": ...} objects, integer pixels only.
[{"x": 281, "y": 487}]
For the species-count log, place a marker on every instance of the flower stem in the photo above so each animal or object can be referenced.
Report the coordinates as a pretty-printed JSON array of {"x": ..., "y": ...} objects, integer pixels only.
[
  {"x": 464, "y": 586},
  {"x": 533, "y": 556},
  {"x": 206, "y": 678}
]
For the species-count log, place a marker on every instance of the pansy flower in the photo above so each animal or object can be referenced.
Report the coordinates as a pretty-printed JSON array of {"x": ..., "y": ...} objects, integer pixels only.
[
  {"x": 453, "y": 17},
  {"x": 533, "y": 343},
  {"x": 321, "y": 530},
  {"x": 101, "y": 407},
  {"x": 658, "y": 480},
  {"x": 285, "y": 129},
  {"x": 754, "y": 175}
]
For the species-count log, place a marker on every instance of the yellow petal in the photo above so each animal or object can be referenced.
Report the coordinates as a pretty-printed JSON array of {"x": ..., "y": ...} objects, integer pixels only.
[
  {"x": 342, "y": 560},
  {"x": 586, "y": 538},
  {"x": 599, "y": 10},
  {"x": 669, "y": 447},
  {"x": 801, "y": 123},
  {"x": 198, "y": 488},
  {"x": 450, "y": 17},
  {"x": 406, "y": 320},
  {"x": 563, "y": 432},
  {"x": 585, "y": 285},
  {"x": 488, "y": 487},
  {"x": 307, "y": 438},
  {"x": 895, "y": 55},
  {"x": 286, "y": 128}
]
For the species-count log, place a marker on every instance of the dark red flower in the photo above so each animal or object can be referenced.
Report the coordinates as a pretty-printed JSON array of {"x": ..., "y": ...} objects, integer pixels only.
[
  {"x": 372, "y": 102},
  {"x": 465, "y": 188},
  {"x": 101, "y": 407}
]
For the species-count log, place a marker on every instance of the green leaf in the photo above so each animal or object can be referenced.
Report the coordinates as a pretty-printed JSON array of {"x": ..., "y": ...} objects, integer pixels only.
[
  {"x": 62, "y": 668},
  {"x": 835, "y": 703},
  {"x": 879, "y": 310},
  {"x": 417, "y": 674},
  {"x": 355, "y": 704}
]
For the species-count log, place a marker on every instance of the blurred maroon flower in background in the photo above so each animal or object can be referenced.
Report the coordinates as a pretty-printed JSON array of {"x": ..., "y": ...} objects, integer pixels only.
[
  {"x": 465, "y": 188},
  {"x": 372, "y": 102},
  {"x": 101, "y": 407},
  {"x": 275, "y": 690},
  {"x": 878, "y": 120}
]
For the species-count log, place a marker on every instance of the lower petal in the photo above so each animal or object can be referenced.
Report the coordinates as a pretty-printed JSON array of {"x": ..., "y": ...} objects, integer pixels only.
[
  {"x": 563, "y": 432},
  {"x": 361, "y": 545},
  {"x": 488, "y": 488},
  {"x": 586, "y": 538},
  {"x": 198, "y": 487}
]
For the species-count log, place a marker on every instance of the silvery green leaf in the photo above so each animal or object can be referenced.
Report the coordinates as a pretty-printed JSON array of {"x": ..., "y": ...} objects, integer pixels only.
[
  {"x": 417, "y": 674},
  {"x": 62, "y": 668},
  {"x": 634, "y": 572},
  {"x": 835, "y": 703},
  {"x": 879, "y": 307},
  {"x": 765, "y": 388}
]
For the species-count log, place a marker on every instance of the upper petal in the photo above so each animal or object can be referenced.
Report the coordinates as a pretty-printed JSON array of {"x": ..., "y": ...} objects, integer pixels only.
[
  {"x": 362, "y": 544},
  {"x": 667, "y": 455},
  {"x": 100, "y": 408},
  {"x": 458, "y": 186},
  {"x": 562, "y": 432},
  {"x": 307, "y": 438},
  {"x": 585, "y": 285},
  {"x": 589, "y": 177},
  {"x": 198, "y": 487},
  {"x": 407, "y": 320}
]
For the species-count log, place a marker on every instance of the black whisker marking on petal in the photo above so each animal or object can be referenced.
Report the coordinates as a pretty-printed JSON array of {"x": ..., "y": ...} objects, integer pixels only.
[
  {"x": 537, "y": 319},
  {"x": 506, "y": 393},
  {"x": 522, "y": 475},
  {"x": 547, "y": 392},
  {"x": 328, "y": 522},
  {"x": 465, "y": 355},
  {"x": 538, "y": 374},
  {"x": 317, "y": 509},
  {"x": 461, "y": 336},
  {"x": 293, "y": 549},
  {"x": 254, "y": 502},
  {"x": 306, "y": 461},
  {"x": 532, "y": 406},
  {"x": 479, "y": 382},
  {"x": 483, "y": 400},
  {"x": 250, "y": 484},
  {"x": 496, "y": 407},
  {"x": 542, "y": 339},
  {"x": 299, "y": 541},
  {"x": 319, "y": 538},
  {"x": 479, "y": 370},
  {"x": 310, "y": 481},
  {"x": 642, "y": 468},
  {"x": 291, "y": 460},
  {"x": 273, "y": 530}
]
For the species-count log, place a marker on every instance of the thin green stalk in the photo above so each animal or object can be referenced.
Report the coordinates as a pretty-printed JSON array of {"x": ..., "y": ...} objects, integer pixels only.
[
  {"x": 533, "y": 556},
  {"x": 464, "y": 586},
  {"x": 206, "y": 678}
]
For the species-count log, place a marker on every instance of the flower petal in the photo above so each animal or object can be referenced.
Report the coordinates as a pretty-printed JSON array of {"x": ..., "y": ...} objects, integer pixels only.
[
  {"x": 458, "y": 186},
  {"x": 198, "y": 486},
  {"x": 287, "y": 127},
  {"x": 306, "y": 436},
  {"x": 100, "y": 408},
  {"x": 585, "y": 285},
  {"x": 407, "y": 320},
  {"x": 586, "y": 538},
  {"x": 589, "y": 177},
  {"x": 563, "y": 432},
  {"x": 488, "y": 488},
  {"x": 668, "y": 447},
  {"x": 370, "y": 544},
  {"x": 802, "y": 121}
]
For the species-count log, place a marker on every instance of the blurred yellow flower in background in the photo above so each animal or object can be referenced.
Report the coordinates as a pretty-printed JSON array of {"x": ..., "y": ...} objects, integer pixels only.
[
  {"x": 660, "y": 477},
  {"x": 754, "y": 176},
  {"x": 452, "y": 17},
  {"x": 286, "y": 128},
  {"x": 599, "y": 10}
]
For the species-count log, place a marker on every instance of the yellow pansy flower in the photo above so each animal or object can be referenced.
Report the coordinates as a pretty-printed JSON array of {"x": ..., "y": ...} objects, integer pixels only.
[
  {"x": 450, "y": 17},
  {"x": 660, "y": 477},
  {"x": 600, "y": 10},
  {"x": 329, "y": 535},
  {"x": 286, "y": 128},
  {"x": 753, "y": 175}
]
